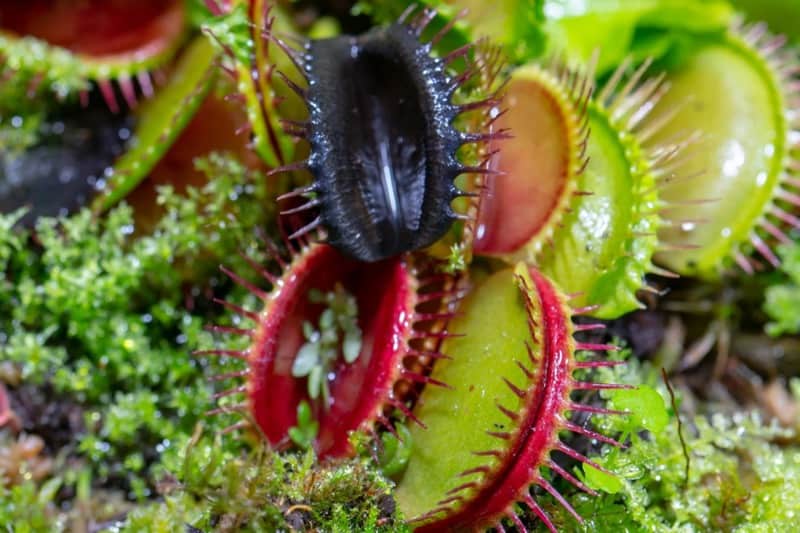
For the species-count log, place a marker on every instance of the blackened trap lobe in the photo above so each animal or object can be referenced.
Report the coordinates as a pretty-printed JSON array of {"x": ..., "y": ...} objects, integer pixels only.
[{"x": 383, "y": 144}]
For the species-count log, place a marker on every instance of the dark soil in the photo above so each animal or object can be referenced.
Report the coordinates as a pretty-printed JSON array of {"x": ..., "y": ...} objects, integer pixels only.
[{"x": 67, "y": 166}]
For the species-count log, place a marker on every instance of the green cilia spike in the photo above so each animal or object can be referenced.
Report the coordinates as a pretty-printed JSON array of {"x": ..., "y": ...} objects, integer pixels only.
[
  {"x": 60, "y": 48},
  {"x": 244, "y": 32},
  {"x": 741, "y": 89},
  {"x": 580, "y": 194},
  {"x": 484, "y": 441},
  {"x": 608, "y": 240},
  {"x": 161, "y": 119}
]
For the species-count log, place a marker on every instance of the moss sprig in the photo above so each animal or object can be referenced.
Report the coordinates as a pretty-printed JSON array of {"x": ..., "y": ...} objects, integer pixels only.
[
  {"x": 782, "y": 296},
  {"x": 219, "y": 490},
  {"x": 743, "y": 476}
]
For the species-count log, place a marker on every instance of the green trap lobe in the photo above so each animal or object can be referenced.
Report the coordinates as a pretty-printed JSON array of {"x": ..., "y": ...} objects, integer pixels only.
[
  {"x": 161, "y": 119},
  {"x": 738, "y": 161}
]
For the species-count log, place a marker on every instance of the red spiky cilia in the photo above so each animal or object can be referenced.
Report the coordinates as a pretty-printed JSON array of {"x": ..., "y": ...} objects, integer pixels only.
[
  {"x": 496, "y": 482},
  {"x": 392, "y": 310},
  {"x": 254, "y": 77},
  {"x": 401, "y": 334}
]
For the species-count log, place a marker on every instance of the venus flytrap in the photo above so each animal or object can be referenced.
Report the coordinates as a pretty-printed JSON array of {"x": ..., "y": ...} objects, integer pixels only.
[
  {"x": 741, "y": 85},
  {"x": 522, "y": 329},
  {"x": 395, "y": 344}
]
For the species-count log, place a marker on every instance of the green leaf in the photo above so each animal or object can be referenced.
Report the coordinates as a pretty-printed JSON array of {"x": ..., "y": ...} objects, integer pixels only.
[
  {"x": 299, "y": 438},
  {"x": 597, "y": 479},
  {"x": 315, "y": 378},
  {"x": 306, "y": 430},
  {"x": 308, "y": 330},
  {"x": 48, "y": 490},
  {"x": 307, "y": 358},
  {"x": 304, "y": 416},
  {"x": 326, "y": 320},
  {"x": 396, "y": 450},
  {"x": 352, "y": 345},
  {"x": 646, "y": 407},
  {"x": 782, "y": 303},
  {"x": 782, "y": 299},
  {"x": 316, "y": 296},
  {"x": 580, "y": 29},
  {"x": 329, "y": 339}
]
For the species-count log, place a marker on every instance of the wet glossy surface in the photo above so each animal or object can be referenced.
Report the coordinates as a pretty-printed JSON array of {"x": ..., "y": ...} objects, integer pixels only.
[
  {"x": 68, "y": 165},
  {"x": 536, "y": 165},
  {"x": 736, "y": 163},
  {"x": 382, "y": 143}
]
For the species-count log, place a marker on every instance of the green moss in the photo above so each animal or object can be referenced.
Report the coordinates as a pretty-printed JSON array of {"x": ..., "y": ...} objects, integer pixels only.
[
  {"x": 99, "y": 312},
  {"x": 57, "y": 73},
  {"x": 782, "y": 297},
  {"x": 737, "y": 479},
  {"x": 29, "y": 507},
  {"x": 20, "y": 129},
  {"x": 741, "y": 476},
  {"x": 264, "y": 491}
]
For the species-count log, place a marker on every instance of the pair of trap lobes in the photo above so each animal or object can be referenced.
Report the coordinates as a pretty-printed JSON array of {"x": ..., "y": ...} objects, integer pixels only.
[
  {"x": 383, "y": 144},
  {"x": 386, "y": 186},
  {"x": 490, "y": 412}
]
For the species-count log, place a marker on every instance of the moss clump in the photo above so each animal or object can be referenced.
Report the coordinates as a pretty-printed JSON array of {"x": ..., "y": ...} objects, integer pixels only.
[
  {"x": 744, "y": 474},
  {"x": 29, "y": 507},
  {"x": 219, "y": 490},
  {"x": 100, "y": 314},
  {"x": 783, "y": 293},
  {"x": 739, "y": 479}
]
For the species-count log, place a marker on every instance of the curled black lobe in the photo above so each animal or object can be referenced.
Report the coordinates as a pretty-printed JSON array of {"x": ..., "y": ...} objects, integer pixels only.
[{"x": 383, "y": 144}]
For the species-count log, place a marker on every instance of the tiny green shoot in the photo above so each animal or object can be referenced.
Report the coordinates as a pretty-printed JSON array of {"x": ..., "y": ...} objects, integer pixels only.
[
  {"x": 395, "y": 450},
  {"x": 645, "y": 406},
  {"x": 304, "y": 433},
  {"x": 456, "y": 261},
  {"x": 337, "y": 332}
]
